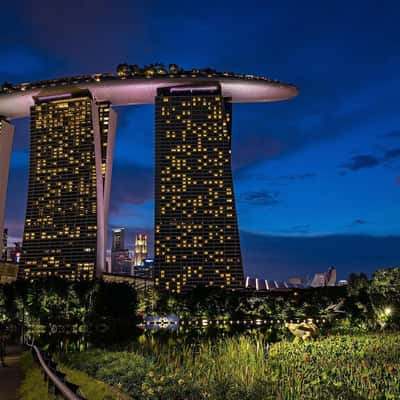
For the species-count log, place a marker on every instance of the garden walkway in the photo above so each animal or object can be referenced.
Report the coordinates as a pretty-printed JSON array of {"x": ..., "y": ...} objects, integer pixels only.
[{"x": 10, "y": 377}]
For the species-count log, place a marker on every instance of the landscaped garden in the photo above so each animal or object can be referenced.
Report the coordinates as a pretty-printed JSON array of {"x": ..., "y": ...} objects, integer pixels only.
[
  {"x": 243, "y": 351},
  {"x": 337, "y": 367}
]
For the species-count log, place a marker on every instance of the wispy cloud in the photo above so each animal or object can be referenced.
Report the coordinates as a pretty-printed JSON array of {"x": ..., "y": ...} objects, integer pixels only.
[
  {"x": 361, "y": 162},
  {"x": 260, "y": 198},
  {"x": 364, "y": 161},
  {"x": 131, "y": 184},
  {"x": 287, "y": 179},
  {"x": 297, "y": 229},
  {"x": 357, "y": 222}
]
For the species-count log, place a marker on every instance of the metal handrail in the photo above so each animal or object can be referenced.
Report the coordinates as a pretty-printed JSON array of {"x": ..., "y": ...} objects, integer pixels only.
[{"x": 65, "y": 391}]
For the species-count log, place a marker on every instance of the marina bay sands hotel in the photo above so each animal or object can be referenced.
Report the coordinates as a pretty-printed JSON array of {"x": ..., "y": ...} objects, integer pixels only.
[{"x": 72, "y": 136}]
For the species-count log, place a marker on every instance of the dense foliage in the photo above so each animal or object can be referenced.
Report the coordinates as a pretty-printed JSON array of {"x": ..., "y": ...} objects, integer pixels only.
[
  {"x": 363, "y": 305},
  {"x": 67, "y": 312},
  {"x": 337, "y": 367}
]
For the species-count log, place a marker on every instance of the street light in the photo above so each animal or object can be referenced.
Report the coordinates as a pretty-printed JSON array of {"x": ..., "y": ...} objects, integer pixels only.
[{"x": 388, "y": 311}]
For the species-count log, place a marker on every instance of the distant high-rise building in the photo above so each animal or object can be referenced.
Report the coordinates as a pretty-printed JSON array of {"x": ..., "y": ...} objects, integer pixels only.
[
  {"x": 6, "y": 140},
  {"x": 196, "y": 230},
  {"x": 4, "y": 248},
  {"x": 72, "y": 138},
  {"x": 140, "y": 248},
  {"x": 118, "y": 239},
  {"x": 121, "y": 262}
]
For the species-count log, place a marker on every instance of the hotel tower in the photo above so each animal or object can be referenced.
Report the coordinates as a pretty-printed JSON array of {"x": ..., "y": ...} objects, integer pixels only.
[
  {"x": 71, "y": 154},
  {"x": 196, "y": 230},
  {"x": 196, "y": 239}
]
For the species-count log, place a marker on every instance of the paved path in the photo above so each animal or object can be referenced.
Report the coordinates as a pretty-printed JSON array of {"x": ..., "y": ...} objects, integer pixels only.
[{"x": 10, "y": 377}]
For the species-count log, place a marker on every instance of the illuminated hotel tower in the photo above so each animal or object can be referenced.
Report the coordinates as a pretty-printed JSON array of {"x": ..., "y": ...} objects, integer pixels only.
[
  {"x": 196, "y": 231},
  {"x": 72, "y": 139},
  {"x": 6, "y": 140},
  {"x": 140, "y": 248}
]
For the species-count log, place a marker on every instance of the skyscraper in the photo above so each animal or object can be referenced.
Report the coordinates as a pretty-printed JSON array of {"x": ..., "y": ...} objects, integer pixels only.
[
  {"x": 3, "y": 252},
  {"x": 196, "y": 231},
  {"x": 118, "y": 239},
  {"x": 6, "y": 140},
  {"x": 69, "y": 186},
  {"x": 121, "y": 263},
  {"x": 140, "y": 248}
]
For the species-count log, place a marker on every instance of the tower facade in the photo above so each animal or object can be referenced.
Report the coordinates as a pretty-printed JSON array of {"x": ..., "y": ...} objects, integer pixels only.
[
  {"x": 6, "y": 140},
  {"x": 140, "y": 248},
  {"x": 118, "y": 239},
  {"x": 196, "y": 230},
  {"x": 69, "y": 185}
]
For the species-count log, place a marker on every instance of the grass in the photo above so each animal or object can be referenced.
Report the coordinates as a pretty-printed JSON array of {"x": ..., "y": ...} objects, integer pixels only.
[
  {"x": 33, "y": 386},
  {"x": 92, "y": 389},
  {"x": 338, "y": 367}
]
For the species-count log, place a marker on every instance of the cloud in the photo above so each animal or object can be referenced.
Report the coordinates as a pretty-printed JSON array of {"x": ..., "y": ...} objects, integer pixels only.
[
  {"x": 132, "y": 184},
  {"x": 361, "y": 162},
  {"x": 252, "y": 148},
  {"x": 305, "y": 228},
  {"x": 391, "y": 154},
  {"x": 260, "y": 198},
  {"x": 286, "y": 179},
  {"x": 370, "y": 161},
  {"x": 357, "y": 222}
]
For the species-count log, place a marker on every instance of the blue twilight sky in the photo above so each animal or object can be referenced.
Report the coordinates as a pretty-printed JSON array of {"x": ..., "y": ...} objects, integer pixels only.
[{"x": 317, "y": 178}]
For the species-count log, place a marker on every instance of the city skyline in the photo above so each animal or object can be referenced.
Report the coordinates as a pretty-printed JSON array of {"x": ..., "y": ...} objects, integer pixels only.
[{"x": 311, "y": 176}]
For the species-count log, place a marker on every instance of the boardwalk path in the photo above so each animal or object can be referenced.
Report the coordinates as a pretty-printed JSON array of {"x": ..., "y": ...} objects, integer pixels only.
[{"x": 10, "y": 377}]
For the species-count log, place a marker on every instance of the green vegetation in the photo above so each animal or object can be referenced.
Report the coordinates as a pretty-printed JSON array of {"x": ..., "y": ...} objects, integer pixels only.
[
  {"x": 337, "y": 367},
  {"x": 90, "y": 388},
  {"x": 123, "y": 370},
  {"x": 33, "y": 386},
  {"x": 68, "y": 314}
]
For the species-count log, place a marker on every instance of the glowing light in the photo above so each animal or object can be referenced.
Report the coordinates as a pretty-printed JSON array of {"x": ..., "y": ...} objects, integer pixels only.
[{"x": 388, "y": 311}]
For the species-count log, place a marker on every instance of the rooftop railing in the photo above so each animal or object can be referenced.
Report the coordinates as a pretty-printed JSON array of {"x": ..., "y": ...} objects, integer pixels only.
[{"x": 125, "y": 72}]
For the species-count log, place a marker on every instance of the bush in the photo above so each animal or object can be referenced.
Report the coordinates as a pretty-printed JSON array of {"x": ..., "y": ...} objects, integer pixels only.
[{"x": 124, "y": 370}]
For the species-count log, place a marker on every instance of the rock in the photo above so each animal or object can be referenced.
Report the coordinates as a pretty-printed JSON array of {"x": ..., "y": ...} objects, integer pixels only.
[{"x": 303, "y": 330}]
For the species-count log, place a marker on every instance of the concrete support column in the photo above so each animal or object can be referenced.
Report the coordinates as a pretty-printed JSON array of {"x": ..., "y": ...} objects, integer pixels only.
[
  {"x": 109, "y": 166},
  {"x": 6, "y": 141}
]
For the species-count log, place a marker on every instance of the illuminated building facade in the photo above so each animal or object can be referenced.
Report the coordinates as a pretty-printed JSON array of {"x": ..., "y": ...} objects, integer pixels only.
[
  {"x": 140, "y": 248},
  {"x": 121, "y": 262},
  {"x": 196, "y": 231},
  {"x": 118, "y": 239},
  {"x": 72, "y": 141},
  {"x": 6, "y": 140},
  {"x": 69, "y": 185}
]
